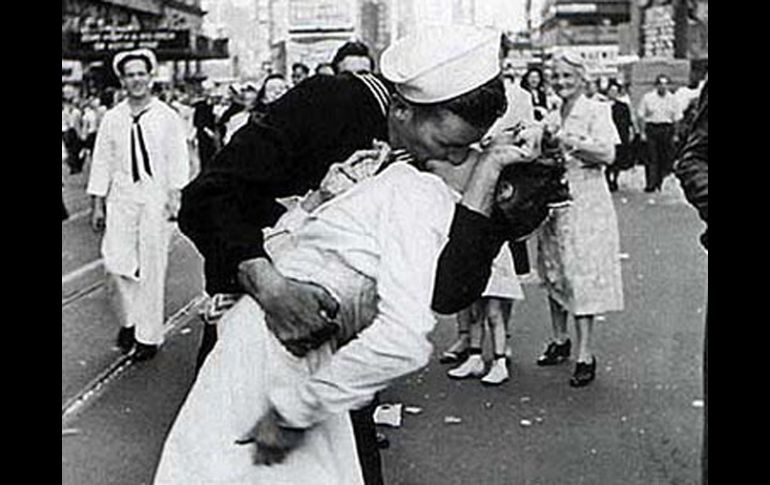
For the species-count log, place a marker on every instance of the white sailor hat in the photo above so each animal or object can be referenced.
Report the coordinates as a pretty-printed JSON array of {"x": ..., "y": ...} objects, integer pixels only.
[
  {"x": 439, "y": 63},
  {"x": 122, "y": 57}
]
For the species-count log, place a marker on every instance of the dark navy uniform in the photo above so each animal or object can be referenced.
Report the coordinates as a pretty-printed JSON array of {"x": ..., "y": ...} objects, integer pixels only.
[{"x": 323, "y": 120}]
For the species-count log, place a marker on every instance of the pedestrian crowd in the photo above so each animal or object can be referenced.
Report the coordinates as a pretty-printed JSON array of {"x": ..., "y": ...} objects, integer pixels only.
[{"x": 351, "y": 207}]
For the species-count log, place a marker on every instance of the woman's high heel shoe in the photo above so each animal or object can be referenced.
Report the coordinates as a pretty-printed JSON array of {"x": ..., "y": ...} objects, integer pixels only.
[
  {"x": 584, "y": 373},
  {"x": 555, "y": 353}
]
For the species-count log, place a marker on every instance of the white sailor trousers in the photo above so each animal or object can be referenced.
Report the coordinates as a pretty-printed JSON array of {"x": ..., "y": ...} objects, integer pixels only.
[{"x": 135, "y": 249}]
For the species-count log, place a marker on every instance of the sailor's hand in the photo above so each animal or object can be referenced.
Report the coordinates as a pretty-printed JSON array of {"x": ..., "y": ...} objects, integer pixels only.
[
  {"x": 272, "y": 441},
  {"x": 98, "y": 215},
  {"x": 299, "y": 314}
]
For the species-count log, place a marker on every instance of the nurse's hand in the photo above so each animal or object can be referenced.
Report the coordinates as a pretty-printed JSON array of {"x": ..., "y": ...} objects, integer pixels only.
[
  {"x": 301, "y": 315},
  {"x": 527, "y": 136},
  {"x": 98, "y": 216},
  {"x": 272, "y": 440}
]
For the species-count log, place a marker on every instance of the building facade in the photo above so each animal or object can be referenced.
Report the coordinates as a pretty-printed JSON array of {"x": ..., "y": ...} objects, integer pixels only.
[{"x": 592, "y": 29}]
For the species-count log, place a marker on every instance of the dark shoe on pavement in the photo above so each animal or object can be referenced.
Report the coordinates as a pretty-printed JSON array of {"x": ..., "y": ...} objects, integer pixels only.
[
  {"x": 144, "y": 352},
  {"x": 383, "y": 443},
  {"x": 126, "y": 339},
  {"x": 453, "y": 357},
  {"x": 584, "y": 374},
  {"x": 555, "y": 353},
  {"x": 457, "y": 352}
]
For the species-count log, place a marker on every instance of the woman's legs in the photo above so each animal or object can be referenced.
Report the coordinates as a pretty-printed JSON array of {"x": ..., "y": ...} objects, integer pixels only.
[
  {"x": 585, "y": 368},
  {"x": 558, "y": 321},
  {"x": 497, "y": 312},
  {"x": 458, "y": 351},
  {"x": 558, "y": 350},
  {"x": 584, "y": 326},
  {"x": 473, "y": 366}
]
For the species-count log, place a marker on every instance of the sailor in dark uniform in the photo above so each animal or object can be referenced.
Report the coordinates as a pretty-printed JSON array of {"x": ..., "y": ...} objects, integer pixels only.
[{"x": 323, "y": 120}]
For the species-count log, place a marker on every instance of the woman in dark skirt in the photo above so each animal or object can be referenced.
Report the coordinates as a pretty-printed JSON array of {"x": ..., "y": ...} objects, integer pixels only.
[{"x": 621, "y": 116}]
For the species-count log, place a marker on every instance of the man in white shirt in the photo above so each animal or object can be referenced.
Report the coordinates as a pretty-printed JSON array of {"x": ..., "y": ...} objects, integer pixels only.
[
  {"x": 140, "y": 164},
  {"x": 658, "y": 113}
]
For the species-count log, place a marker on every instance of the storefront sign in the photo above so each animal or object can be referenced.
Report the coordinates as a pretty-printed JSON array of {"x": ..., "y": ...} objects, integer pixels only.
[
  {"x": 575, "y": 8},
  {"x": 320, "y": 15},
  {"x": 110, "y": 41}
]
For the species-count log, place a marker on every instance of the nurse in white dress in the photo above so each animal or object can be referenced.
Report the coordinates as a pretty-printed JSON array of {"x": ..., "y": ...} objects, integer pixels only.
[{"x": 374, "y": 249}]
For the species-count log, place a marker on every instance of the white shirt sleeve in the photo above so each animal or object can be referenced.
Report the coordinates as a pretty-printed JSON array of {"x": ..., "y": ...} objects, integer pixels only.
[
  {"x": 396, "y": 343},
  {"x": 101, "y": 161}
]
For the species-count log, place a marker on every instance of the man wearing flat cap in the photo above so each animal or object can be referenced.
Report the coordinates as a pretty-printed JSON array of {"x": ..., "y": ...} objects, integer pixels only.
[
  {"x": 429, "y": 108},
  {"x": 140, "y": 164}
]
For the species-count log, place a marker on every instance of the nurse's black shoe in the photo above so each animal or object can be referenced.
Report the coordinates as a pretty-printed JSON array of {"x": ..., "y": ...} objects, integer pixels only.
[
  {"x": 584, "y": 373},
  {"x": 457, "y": 352},
  {"x": 555, "y": 353},
  {"x": 126, "y": 340},
  {"x": 144, "y": 352}
]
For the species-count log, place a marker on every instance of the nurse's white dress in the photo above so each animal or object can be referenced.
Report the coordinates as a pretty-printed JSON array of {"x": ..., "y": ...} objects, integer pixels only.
[{"x": 374, "y": 248}]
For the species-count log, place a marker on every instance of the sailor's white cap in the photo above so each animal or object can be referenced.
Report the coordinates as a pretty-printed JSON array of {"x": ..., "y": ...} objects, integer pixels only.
[
  {"x": 438, "y": 63},
  {"x": 125, "y": 56}
]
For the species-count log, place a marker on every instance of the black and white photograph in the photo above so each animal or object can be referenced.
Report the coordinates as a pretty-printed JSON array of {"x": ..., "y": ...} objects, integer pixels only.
[{"x": 384, "y": 242}]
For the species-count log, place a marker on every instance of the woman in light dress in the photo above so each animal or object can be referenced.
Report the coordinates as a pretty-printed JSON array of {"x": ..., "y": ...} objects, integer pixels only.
[{"x": 578, "y": 246}]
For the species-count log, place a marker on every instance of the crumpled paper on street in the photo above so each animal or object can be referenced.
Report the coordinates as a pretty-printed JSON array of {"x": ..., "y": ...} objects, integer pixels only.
[{"x": 388, "y": 415}]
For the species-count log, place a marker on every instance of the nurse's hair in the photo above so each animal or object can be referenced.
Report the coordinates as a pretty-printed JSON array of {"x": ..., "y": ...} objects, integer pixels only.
[{"x": 524, "y": 192}]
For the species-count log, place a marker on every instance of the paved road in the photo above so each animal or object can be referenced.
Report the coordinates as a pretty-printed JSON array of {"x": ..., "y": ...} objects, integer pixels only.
[{"x": 639, "y": 423}]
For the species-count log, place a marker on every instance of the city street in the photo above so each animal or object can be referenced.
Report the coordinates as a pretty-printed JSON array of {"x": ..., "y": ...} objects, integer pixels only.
[{"x": 639, "y": 423}]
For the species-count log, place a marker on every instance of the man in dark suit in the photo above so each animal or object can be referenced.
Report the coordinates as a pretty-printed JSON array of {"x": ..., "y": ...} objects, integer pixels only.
[{"x": 692, "y": 168}]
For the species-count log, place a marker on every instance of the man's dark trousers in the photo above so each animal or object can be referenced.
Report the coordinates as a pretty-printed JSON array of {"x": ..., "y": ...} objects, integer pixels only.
[
  {"x": 660, "y": 147},
  {"x": 705, "y": 455}
]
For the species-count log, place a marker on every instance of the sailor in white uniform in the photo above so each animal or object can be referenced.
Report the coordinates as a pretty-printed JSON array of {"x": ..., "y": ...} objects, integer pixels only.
[{"x": 140, "y": 164}]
